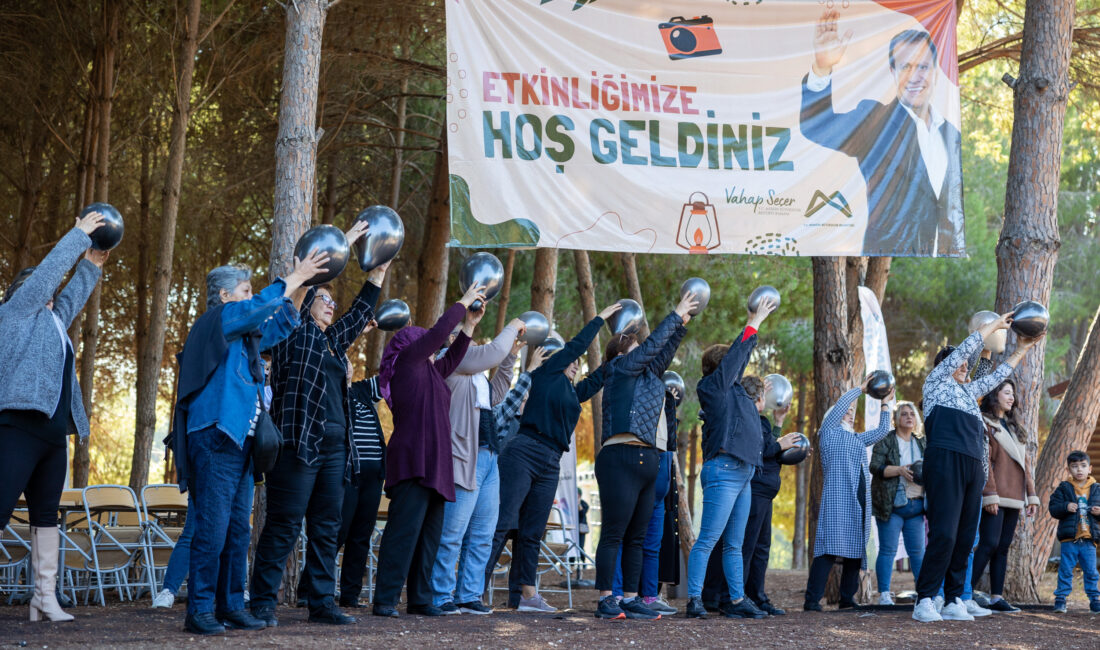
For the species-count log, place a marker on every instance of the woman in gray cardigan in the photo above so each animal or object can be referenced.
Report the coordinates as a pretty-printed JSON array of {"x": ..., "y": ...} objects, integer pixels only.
[{"x": 40, "y": 400}]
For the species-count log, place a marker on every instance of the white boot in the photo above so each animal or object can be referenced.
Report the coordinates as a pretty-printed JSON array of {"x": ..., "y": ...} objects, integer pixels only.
[{"x": 44, "y": 548}]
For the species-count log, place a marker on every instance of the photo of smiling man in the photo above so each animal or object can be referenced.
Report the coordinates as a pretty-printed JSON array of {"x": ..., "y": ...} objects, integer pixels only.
[{"x": 908, "y": 154}]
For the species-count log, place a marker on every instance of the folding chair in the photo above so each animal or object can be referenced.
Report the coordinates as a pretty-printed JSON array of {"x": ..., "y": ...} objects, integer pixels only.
[
  {"x": 118, "y": 538},
  {"x": 502, "y": 567},
  {"x": 15, "y": 557},
  {"x": 163, "y": 508},
  {"x": 77, "y": 565}
]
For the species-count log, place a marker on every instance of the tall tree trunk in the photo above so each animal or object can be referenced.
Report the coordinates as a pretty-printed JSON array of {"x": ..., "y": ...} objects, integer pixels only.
[
  {"x": 431, "y": 267},
  {"x": 588, "y": 311},
  {"x": 855, "y": 270},
  {"x": 505, "y": 289},
  {"x": 328, "y": 214},
  {"x": 29, "y": 194},
  {"x": 295, "y": 175},
  {"x": 151, "y": 355},
  {"x": 90, "y": 332},
  {"x": 798, "y": 542},
  {"x": 634, "y": 288},
  {"x": 693, "y": 467},
  {"x": 544, "y": 282},
  {"x": 1029, "y": 242},
  {"x": 1073, "y": 426},
  {"x": 687, "y": 531},
  {"x": 878, "y": 273}
]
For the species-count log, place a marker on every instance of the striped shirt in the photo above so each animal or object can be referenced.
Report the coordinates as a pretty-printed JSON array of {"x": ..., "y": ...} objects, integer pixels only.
[{"x": 366, "y": 428}]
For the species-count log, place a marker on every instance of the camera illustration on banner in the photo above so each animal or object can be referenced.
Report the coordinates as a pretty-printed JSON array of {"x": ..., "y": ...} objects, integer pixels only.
[
  {"x": 689, "y": 38},
  {"x": 698, "y": 229}
]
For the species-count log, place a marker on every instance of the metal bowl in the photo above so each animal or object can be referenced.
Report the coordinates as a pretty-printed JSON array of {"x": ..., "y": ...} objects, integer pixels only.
[
  {"x": 553, "y": 342},
  {"x": 392, "y": 315},
  {"x": 797, "y": 453},
  {"x": 880, "y": 384},
  {"x": 917, "y": 469},
  {"x": 538, "y": 328},
  {"x": 482, "y": 269},
  {"x": 673, "y": 379},
  {"x": 758, "y": 294},
  {"x": 328, "y": 239},
  {"x": 627, "y": 320},
  {"x": 701, "y": 289},
  {"x": 781, "y": 392},
  {"x": 384, "y": 237},
  {"x": 108, "y": 235},
  {"x": 1030, "y": 319}
]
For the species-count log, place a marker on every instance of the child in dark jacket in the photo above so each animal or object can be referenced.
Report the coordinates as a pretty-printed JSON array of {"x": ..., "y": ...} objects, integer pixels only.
[{"x": 1076, "y": 506}]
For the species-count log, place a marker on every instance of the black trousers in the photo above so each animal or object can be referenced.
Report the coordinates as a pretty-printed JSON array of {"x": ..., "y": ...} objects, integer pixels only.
[
  {"x": 715, "y": 588},
  {"x": 296, "y": 490},
  {"x": 819, "y": 576},
  {"x": 32, "y": 467},
  {"x": 756, "y": 548},
  {"x": 528, "y": 484},
  {"x": 357, "y": 519},
  {"x": 409, "y": 544},
  {"x": 995, "y": 537},
  {"x": 953, "y": 489},
  {"x": 627, "y": 476}
]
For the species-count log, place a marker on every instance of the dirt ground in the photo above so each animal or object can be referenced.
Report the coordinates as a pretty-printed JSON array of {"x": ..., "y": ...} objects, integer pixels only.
[{"x": 136, "y": 625}]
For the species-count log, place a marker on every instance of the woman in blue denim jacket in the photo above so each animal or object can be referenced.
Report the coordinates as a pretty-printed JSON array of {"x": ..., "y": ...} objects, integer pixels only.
[{"x": 220, "y": 395}]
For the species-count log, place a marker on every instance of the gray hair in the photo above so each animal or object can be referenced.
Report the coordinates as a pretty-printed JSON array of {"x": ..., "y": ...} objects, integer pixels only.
[{"x": 224, "y": 277}]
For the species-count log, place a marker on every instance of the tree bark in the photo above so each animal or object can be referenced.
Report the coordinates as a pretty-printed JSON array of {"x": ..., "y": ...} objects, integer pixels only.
[
  {"x": 798, "y": 542},
  {"x": 544, "y": 281},
  {"x": 151, "y": 354},
  {"x": 1073, "y": 426},
  {"x": 693, "y": 468},
  {"x": 90, "y": 331},
  {"x": 588, "y": 312},
  {"x": 878, "y": 273},
  {"x": 431, "y": 267},
  {"x": 1029, "y": 241},
  {"x": 505, "y": 289},
  {"x": 634, "y": 288},
  {"x": 687, "y": 532}
]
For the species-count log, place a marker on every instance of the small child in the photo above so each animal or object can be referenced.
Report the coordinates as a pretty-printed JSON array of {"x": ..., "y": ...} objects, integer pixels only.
[{"x": 1076, "y": 506}]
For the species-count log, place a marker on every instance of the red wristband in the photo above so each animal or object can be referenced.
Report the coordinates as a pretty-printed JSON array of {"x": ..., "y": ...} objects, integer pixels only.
[{"x": 749, "y": 331}]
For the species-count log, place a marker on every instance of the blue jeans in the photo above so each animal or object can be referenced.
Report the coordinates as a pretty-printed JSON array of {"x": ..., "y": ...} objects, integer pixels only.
[
  {"x": 468, "y": 525},
  {"x": 968, "y": 589},
  {"x": 726, "y": 503},
  {"x": 907, "y": 521},
  {"x": 180, "y": 559},
  {"x": 1080, "y": 553},
  {"x": 221, "y": 491},
  {"x": 651, "y": 552}
]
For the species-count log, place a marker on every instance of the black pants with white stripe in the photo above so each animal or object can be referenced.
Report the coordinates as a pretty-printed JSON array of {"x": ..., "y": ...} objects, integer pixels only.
[{"x": 953, "y": 493}]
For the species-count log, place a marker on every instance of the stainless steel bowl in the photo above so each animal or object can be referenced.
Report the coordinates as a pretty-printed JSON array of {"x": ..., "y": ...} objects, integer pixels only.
[
  {"x": 384, "y": 237},
  {"x": 331, "y": 240},
  {"x": 701, "y": 289},
  {"x": 627, "y": 320},
  {"x": 766, "y": 291},
  {"x": 781, "y": 392},
  {"x": 482, "y": 269},
  {"x": 1030, "y": 319},
  {"x": 392, "y": 315},
  {"x": 538, "y": 328}
]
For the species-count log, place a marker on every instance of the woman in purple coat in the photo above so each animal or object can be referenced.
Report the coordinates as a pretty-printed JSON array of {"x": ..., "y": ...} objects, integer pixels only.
[{"x": 419, "y": 469}]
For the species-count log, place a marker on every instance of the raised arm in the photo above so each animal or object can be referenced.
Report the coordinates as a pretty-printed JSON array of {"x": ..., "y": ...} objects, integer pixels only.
[
  {"x": 508, "y": 409},
  {"x": 240, "y": 318},
  {"x": 588, "y": 387},
  {"x": 480, "y": 358},
  {"x": 835, "y": 416},
  {"x": 872, "y": 436},
  {"x": 430, "y": 342},
  {"x": 40, "y": 287},
  {"x": 947, "y": 367},
  {"x": 501, "y": 380},
  {"x": 449, "y": 361},
  {"x": 76, "y": 292},
  {"x": 348, "y": 327},
  {"x": 573, "y": 350},
  {"x": 737, "y": 358}
]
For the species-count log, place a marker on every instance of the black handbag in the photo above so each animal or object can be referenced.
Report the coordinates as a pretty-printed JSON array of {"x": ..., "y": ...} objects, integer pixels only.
[{"x": 266, "y": 444}]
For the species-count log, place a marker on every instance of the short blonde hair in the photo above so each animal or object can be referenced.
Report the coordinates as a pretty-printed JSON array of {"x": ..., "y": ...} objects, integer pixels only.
[{"x": 919, "y": 431}]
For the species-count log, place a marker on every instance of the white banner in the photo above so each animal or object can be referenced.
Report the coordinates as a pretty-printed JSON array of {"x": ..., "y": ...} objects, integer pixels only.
[
  {"x": 783, "y": 127},
  {"x": 876, "y": 354}
]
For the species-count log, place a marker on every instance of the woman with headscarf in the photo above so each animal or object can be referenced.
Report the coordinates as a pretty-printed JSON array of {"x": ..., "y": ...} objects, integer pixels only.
[
  {"x": 419, "y": 464},
  {"x": 844, "y": 521},
  {"x": 40, "y": 400}
]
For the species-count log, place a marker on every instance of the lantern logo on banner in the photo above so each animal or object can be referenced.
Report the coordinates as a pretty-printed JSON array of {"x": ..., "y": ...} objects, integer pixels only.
[
  {"x": 688, "y": 38},
  {"x": 698, "y": 229}
]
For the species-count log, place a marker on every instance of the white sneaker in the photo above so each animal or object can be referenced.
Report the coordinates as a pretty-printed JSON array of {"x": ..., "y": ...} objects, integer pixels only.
[
  {"x": 925, "y": 612},
  {"x": 164, "y": 600},
  {"x": 976, "y": 610},
  {"x": 938, "y": 603},
  {"x": 886, "y": 598},
  {"x": 956, "y": 611}
]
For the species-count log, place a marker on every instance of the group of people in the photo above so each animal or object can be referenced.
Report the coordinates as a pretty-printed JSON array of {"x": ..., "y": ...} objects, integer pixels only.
[{"x": 474, "y": 458}]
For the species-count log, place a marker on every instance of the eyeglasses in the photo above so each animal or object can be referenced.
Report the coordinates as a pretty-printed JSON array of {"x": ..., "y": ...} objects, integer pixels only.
[{"x": 327, "y": 300}]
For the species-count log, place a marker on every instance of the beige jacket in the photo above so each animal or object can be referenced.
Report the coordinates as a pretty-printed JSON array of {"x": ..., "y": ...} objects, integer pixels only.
[{"x": 1011, "y": 483}]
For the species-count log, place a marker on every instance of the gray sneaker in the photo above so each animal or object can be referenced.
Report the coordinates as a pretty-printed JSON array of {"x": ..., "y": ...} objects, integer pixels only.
[
  {"x": 660, "y": 606},
  {"x": 536, "y": 604},
  {"x": 164, "y": 600}
]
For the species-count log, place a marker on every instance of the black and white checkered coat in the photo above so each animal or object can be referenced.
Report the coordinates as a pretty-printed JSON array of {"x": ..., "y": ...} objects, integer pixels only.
[
  {"x": 842, "y": 526},
  {"x": 299, "y": 381}
]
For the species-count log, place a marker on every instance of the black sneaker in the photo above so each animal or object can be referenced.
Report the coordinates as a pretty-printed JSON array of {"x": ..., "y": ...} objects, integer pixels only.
[
  {"x": 609, "y": 608},
  {"x": 711, "y": 605},
  {"x": 811, "y": 606},
  {"x": 449, "y": 608},
  {"x": 743, "y": 609},
  {"x": 474, "y": 607},
  {"x": 204, "y": 624},
  {"x": 387, "y": 611},
  {"x": 695, "y": 608},
  {"x": 350, "y": 602},
  {"x": 302, "y": 602},
  {"x": 1059, "y": 605},
  {"x": 1094, "y": 605},
  {"x": 331, "y": 615},
  {"x": 636, "y": 609},
  {"x": 849, "y": 604},
  {"x": 424, "y": 610},
  {"x": 241, "y": 620},
  {"x": 770, "y": 609},
  {"x": 1001, "y": 605},
  {"x": 267, "y": 615}
]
